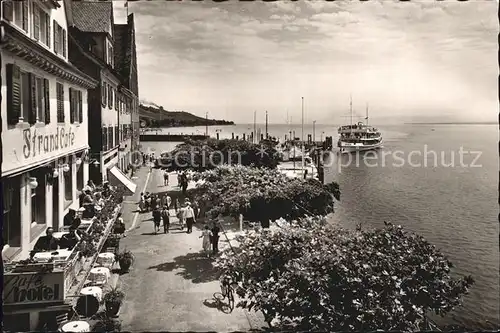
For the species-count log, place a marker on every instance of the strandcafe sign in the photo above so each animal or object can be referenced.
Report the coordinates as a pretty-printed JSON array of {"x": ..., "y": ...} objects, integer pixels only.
[
  {"x": 41, "y": 143},
  {"x": 30, "y": 288}
]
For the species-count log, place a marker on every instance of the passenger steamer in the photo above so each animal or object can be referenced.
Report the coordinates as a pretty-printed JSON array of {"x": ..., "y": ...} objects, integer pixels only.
[{"x": 358, "y": 137}]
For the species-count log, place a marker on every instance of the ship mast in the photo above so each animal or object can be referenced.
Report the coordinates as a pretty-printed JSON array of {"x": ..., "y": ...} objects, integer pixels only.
[
  {"x": 350, "y": 108},
  {"x": 366, "y": 114}
]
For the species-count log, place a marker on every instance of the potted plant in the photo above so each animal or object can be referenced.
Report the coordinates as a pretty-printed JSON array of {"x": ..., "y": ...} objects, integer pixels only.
[
  {"x": 107, "y": 324},
  {"x": 126, "y": 259},
  {"x": 113, "y": 300}
]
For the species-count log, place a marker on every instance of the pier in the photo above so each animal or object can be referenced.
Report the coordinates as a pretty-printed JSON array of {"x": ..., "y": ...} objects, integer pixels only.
[{"x": 172, "y": 137}]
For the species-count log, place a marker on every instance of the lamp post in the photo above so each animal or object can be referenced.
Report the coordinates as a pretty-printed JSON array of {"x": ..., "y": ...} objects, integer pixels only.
[
  {"x": 322, "y": 136},
  {"x": 206, "y": 124}
]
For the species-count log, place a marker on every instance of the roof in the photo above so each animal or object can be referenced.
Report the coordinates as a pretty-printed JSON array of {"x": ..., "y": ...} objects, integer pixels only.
[{"x": 93, "y": 16}]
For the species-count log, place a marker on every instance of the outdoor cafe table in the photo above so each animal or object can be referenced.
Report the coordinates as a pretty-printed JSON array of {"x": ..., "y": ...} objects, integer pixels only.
[{"x": 60, "y": 254}]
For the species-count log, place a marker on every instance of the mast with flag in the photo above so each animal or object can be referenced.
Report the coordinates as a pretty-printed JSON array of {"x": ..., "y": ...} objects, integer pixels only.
[
  {"x": 366, "y": 118},
  {"x": 126, "y": 6}
]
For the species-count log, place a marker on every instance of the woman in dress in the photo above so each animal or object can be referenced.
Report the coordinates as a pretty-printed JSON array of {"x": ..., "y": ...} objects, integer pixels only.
[{"x": 206, "y": 235}]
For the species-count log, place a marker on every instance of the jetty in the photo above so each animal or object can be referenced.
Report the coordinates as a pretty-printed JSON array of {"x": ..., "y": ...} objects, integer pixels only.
[{"x": 172, "y": 137}]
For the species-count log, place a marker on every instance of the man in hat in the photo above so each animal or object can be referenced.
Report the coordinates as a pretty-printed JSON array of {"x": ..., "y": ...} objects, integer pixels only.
[{"x": 189, "y": 216}]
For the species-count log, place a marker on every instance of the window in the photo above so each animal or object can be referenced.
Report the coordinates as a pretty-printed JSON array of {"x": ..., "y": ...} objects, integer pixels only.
[
  {"x": 68, "y": 185},
  {"x": 110, "y": 137},
  {"x": 27, "y": 97},
  {"x": 110, "y": 55},
  {"x": 59, "y": 39},
  {"x": 11, "y": 196},
  {"x": 117, "y": 135},
  {"x": 104, "y": 138},
  {"x": 40, "y": 100},
  {"x": 60, "y": 103},
  {"x": 75, "y": 106},
  {"x": 18, "y": 12},
  {"x": 110, "y": 96},
  {"x": 103, "y": 93},
  {"x": 117, "y": 101},
  {"x": 38, "y": 199},
  {"x": 41, "y": 25},
  {"x": 79, "y": 175}
]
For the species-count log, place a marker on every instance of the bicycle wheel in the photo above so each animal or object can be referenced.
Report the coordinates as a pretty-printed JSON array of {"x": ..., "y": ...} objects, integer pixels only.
[{"x": 230, "y": 298}]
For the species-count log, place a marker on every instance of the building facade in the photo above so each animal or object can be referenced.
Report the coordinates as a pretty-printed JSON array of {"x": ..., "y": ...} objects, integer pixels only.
[
  {"x": 126, "y": 64},
  {"x": 44, "y": 113},
  {"x": 92, "y": 50}
]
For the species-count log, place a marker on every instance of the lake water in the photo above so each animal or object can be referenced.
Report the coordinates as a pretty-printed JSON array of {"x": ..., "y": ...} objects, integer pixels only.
[{"x": 453, "y": 205}]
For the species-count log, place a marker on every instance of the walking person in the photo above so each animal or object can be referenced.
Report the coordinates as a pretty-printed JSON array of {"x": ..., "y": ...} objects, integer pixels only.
[
  {"x": 156, "y": 219},
  {"x": 142, "y": 203},
  {"x": 165, "y": 178},
  {"x": 165, "y": 215},
  {"x": 206, "y": 234},
  {"x": 190, "y": 217},
  {"x": 215, "y": 236},
  {"x": 180, "y": 216},
  {"x": 177, "y": 205}
]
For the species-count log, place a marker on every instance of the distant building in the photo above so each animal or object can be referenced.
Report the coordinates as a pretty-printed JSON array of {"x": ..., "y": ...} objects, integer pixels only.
[
  {"x": 126, "y": 65},
  {"x": 92, "y": 49},
  {"x": 44, "y": 115}
]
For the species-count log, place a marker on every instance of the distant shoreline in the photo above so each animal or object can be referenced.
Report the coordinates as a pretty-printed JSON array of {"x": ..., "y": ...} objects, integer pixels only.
[{"x": 455, "y": 123}]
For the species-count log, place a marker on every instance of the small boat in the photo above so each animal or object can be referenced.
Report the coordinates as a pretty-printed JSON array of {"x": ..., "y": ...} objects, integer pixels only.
[{"x": 358, "y": 137}]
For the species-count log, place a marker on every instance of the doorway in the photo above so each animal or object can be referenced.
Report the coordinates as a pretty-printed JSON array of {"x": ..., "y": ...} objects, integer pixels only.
[{"x": 55, "y": 204}]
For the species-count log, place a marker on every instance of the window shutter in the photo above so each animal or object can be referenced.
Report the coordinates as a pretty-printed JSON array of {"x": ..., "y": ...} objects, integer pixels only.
[
  {"x": 32, "y": 105},
  {"x": 103, "y": 92},
  {"x": 36, "y": 23},
  {"x": 71, "y": 106},
  {"x": 25, "y": 15},
  {"x": 56, "y": 37},
  {"x": 116, "y": 101},
  {"x": 64, "y": 42},
  {"x": 47, "y": 100},
  {"x": 13, "y": 94},
  {"x": 47, "y": 26},
  {"x": 80, "y": 107},
  {"x": 8, "y": 13}
]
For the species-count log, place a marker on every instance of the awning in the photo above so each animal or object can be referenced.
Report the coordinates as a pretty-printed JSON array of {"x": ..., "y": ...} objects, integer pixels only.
[{"x": 118, "y": 178}]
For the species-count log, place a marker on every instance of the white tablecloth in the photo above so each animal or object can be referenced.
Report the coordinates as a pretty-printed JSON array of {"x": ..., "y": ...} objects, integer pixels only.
[
  {"x": 76, "y": 326},
  {"x": 93, "y": 291},
  {"x": 59, "y": 234},
  {"x": 62, "y": 254},
  {"x": 106, "y": 259},
  {"x": 99, "y": 274}
]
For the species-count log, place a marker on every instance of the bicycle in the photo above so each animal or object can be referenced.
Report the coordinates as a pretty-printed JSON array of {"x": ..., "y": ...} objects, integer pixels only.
[{"x": 227, "y": 291}]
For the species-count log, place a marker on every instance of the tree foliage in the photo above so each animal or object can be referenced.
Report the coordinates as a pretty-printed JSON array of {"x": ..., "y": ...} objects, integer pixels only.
[
  {"x": 208, "y": 154},
  {"x": 264, "y": 194},
  {"x": 324, "y": 278}
]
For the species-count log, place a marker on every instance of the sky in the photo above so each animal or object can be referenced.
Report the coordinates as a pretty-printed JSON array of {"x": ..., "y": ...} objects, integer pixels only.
[{"x": 410, "y": 61}]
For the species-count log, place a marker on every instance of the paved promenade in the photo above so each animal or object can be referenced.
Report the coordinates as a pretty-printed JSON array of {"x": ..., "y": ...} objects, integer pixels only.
[{"x": 171, "y": 285}]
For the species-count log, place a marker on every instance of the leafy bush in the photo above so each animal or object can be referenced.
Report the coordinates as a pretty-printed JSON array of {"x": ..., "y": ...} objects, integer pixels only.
[
  {"x": 208, "y": 154},
  {"x": 264, "y": 194},
  {"x": 323, "y": 278}
]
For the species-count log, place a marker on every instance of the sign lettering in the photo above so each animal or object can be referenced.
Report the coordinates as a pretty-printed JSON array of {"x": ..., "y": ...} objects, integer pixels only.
[
  {"x": 46, "y": 143},
  {"x": 33, "y": 288}
]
